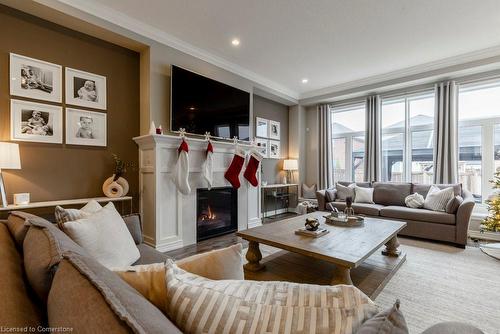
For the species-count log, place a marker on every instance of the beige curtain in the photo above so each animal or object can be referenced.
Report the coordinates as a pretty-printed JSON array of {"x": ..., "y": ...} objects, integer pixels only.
[
  {"x": 373, "y": 142},
  {"x": 325, "y": 163},
  {"x": 446, "y": 139}
]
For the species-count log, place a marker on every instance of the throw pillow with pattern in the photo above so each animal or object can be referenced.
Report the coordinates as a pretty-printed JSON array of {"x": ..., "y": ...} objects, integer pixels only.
[
  {"x": 343, "y": 192},
  {"x": 437, "y": 199},
  {"x": 63, "y": 215}
]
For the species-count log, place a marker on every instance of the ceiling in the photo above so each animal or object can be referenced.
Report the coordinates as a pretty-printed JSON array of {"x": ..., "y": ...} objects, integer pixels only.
[{"x": 330, "y": 42}]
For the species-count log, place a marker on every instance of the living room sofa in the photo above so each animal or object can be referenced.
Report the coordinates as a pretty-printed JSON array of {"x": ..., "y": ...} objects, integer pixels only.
[
  {"x": 389, "y": 203},
  {"x": 50, "y": 281}
]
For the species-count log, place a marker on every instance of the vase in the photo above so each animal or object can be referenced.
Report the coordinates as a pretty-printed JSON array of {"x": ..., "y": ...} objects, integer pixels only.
[{"x": 115, "y": 188}]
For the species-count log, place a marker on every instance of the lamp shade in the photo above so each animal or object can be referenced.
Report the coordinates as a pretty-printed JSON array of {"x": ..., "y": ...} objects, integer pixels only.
[
  {"x": 290, "y": 164},
  {"x": 9, "y": 156}
]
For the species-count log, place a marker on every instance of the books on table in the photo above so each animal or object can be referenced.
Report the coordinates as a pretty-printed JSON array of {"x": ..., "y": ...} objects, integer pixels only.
[{"x": 314, "y": 234}]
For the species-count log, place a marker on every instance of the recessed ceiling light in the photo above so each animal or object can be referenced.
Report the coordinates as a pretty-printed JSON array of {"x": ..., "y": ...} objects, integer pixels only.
[
  {"x": 235, "y": 42},
  {"x": 304, "y": 81}
]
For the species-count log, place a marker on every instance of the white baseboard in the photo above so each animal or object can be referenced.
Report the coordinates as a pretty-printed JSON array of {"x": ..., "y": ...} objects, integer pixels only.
[
  {"x": 254, "y": 222},
  {"x": 163, "y": 246}
]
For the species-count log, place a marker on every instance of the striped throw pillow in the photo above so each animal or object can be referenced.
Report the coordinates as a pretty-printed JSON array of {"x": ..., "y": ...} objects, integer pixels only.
[
  {"x": 437, "y": 199},
  {"x": 200, "y": 305},
  {"x": 63, "y": 215}
]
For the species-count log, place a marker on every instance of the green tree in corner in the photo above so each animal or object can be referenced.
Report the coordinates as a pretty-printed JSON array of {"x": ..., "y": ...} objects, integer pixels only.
[{"x": 492, "y": 222}]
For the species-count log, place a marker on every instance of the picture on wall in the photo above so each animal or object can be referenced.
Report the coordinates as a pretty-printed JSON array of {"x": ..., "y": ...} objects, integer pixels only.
[
  {"x": 85, "y": 89},
  {"x": 35, "y": 79},
  {"x": 85, "y": 127},
  {"x": 262, "y": 147},
  {"x": 274, "y": 130},
  {"x": 274, "y": 149},
  {"x": 35, "y": 122},
  {"x": 261, "y": 127}
]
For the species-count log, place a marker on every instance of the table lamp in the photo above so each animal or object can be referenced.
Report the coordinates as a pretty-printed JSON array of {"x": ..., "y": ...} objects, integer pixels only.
[
  {"x": 290, "y": 165},
  {"x": 9, "y": 159}
]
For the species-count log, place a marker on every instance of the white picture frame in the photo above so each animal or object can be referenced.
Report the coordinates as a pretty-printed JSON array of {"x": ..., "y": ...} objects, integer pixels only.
[
  {"x": 274, "y": 148},
  {"x": 261, "y": 127},
  {"x": 85, "y": 89},
  {"x": 35, "y": 79},
  {"x": 35, "y": 122},
  {"x": 262, "y": 146},
  {"x": 274, "y": 130},
  {"x": 84, "y": 127}
]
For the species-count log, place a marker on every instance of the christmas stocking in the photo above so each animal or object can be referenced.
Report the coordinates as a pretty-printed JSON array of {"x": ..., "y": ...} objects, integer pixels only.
[
  {"x": 181, "y": 170},
  {"x": 233, "y": 172},
  {"x": 252, "y": 167},
  {"x": 208, "y": 166}
]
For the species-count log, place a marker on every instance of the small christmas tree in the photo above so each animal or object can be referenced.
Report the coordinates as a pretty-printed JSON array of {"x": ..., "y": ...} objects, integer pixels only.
[{"x": 492, "y": 223}]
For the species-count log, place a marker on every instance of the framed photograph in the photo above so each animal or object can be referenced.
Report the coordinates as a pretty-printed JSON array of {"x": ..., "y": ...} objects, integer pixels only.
[
  {"x": 85, "y": 89},
  {"x": 274, "y": 149},
  {"x": 35, "y": 79},
  {"x": 35, "y": 122},
  {"x": 261, "y": 127},
  {"x": 274, "y": 130},
  {"x": 262, "y": 147},
  {"x": 85, "y": 127}
]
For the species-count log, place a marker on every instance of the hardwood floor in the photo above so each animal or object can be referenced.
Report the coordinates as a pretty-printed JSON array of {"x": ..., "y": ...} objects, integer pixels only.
[{"x": 219, "y": 242}]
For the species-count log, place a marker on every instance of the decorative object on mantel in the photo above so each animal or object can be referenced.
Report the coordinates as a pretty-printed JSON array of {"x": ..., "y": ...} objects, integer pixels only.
[
  {"x": 116, "y": 186},
  {"x": 348, "y": 209},
  {"x": 233, "y": 172},
  {"x": 208, "y": 169},
  {"x": 252, "y": 166},
  {"x": 289, "y": 166},
  {"x": 9, "y": 159},
  {"x": 181, "y": 169},
  {"x": 159, "y": 130},
  {"x": 152, "y": 128}
]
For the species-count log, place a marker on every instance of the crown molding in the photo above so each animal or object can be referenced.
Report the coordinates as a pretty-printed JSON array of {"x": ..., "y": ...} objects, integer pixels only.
[
  {"x": 465, "y": 61},
  {"x": 93, "y": 8}
]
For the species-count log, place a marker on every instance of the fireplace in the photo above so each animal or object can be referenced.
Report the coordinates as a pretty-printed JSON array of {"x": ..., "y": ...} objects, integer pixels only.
[{"x": 216, "y": 212}]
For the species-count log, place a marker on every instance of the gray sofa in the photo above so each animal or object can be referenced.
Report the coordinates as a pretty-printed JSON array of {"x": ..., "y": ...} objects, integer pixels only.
[
  {"x": 50, "y": 281},
  {"x": 389, "y": 198}
]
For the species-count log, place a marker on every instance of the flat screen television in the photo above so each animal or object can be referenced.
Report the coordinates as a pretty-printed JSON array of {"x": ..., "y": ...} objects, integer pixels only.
[{"x": 200, "y": 104}]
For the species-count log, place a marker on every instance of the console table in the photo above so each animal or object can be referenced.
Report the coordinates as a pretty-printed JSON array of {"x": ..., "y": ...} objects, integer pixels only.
[
  {"x": 66, "y": 202},
  {"x": 283, "y": 193}
]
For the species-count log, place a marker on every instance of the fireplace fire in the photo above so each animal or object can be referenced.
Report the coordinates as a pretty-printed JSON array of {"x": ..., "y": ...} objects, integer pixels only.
[{"x": 216, "y": 212}]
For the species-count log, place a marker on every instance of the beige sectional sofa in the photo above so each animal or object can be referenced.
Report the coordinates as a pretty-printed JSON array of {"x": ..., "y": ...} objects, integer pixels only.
[{"x": 389, "y": 203}]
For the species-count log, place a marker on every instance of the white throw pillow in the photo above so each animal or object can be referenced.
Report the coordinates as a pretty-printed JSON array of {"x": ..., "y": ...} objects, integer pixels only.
[
  {"x": 104, "y": 236},
  {"x": 63, "y": 215},
  {"x": 309, "y": 192},
  {"x": 437, "y": 199},
  {"x": 343, "y": 192},
  {"x": 363, "y": 195},
  {"x": 414, "y": 201}
]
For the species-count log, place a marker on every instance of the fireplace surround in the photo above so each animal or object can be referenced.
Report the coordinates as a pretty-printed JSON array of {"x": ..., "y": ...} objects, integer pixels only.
[{"x": 216, "y": 212}]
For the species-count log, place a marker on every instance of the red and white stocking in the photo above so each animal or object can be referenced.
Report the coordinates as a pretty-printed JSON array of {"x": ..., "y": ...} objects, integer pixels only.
[
  {"x": 252, "y": 168},
  {"x": 181, "y": 169},
  {"x": 208, "y": 166},
  {"x": 233, "y": 172}
]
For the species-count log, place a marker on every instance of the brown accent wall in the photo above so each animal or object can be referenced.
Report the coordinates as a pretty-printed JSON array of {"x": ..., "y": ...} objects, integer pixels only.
[
  {"x": 60, "y": 171},
  {"x": 272, "y": 169}
]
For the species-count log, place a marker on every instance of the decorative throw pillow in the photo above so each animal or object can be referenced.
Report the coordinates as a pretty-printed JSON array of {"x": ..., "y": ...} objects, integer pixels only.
[
  {"x": 330, "y": 195},
  {"x": 149, "y": 279},
  {"x": 453, "y": 204},
  {"x": 363, "y": 195},
  {"x": 104, "y": 236},
  {"x": 198, "y": 305},
  {"x": 414, "y": 201},
  {"x": 309, "y": 192},
  {"x": 390, "y": 321},
  {"x": 343, "y": 192},
  {"x": 63, "y": 215},
  {"x": 437, "y": 199}
]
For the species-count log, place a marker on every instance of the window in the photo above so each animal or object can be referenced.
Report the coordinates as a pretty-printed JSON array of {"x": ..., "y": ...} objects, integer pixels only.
[
  {"x": 407, "y": 138},
  {"x": 478, "y": 136},
  {"x": 348, "y": 142}
]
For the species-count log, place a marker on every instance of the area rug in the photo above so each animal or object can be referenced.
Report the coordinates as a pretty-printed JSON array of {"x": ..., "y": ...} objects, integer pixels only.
[
  {"x": 492, "y": 250},
  {"x": 442, "y": 283}
]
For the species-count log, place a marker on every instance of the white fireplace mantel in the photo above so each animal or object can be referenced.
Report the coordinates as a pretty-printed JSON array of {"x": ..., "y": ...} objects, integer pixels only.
[{"x": 169, "y": 217}]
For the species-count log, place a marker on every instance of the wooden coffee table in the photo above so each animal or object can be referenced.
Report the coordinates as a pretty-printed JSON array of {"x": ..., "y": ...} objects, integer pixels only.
[{"x": 346, "y": 247}]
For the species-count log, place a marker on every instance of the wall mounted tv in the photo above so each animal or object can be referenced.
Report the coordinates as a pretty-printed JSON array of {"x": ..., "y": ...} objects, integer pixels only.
[{"x": 200, "y": 104}]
